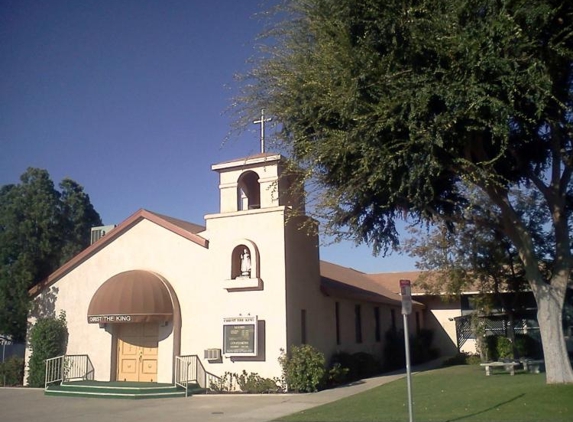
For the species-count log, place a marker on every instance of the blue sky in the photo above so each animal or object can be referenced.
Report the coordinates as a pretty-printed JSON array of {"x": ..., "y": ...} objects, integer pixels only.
[{"x": 128, "y": 98}]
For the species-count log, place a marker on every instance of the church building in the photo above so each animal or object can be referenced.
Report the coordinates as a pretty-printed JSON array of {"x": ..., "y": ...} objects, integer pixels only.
[{"x": 231, "y": 295}]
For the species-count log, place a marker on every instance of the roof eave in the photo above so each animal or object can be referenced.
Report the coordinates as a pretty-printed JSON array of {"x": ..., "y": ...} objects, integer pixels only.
[{"x": 112, "y": 235}]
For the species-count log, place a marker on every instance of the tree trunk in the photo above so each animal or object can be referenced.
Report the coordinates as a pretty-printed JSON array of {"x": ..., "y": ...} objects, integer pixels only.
[{"x": 549, "y": 317}]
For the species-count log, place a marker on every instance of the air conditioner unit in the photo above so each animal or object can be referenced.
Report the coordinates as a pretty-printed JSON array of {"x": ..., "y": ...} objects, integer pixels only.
[
  {"x": 99, "y": 232},
  {"x": 212, "y": 354}
]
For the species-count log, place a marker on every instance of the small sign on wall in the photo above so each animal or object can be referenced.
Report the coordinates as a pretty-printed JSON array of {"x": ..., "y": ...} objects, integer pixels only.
[{"x": 240, "y": 336}]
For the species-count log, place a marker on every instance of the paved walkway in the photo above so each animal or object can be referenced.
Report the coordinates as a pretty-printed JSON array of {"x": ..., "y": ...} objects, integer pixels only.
[{"x": 24, "y": 405}]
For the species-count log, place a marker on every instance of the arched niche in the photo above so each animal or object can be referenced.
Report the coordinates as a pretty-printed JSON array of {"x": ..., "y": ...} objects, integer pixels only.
[
  {"x": 248, "y": 191},
  {"x": 244, "y": 267}
]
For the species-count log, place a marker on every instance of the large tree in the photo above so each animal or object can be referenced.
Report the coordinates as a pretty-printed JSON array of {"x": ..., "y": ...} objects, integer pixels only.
[
  {"x": 475, "y": 255},
  {"x": 458, "y": 256},
  {"x": 395, "y": 107},
  {"x": 40, "y": 228}
]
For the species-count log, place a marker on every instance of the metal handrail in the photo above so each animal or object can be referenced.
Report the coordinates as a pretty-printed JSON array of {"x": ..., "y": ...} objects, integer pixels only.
[
  {"x": 182, "y": 372},
  {"x": 78, "y": 367},
  {"x": 54, "y": 370},
  {"x": 68, "y": 367},
  {"x": 190, "y": 369}
]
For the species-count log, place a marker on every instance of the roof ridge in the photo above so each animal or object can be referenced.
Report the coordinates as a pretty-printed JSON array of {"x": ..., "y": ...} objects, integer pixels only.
[{"x": 166, "y": 222}]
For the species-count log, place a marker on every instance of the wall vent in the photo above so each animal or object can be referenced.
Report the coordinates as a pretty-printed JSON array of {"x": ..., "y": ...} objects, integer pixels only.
[
  {"x": 212, "y": 354},
  {"x": 99, "y": 232}
]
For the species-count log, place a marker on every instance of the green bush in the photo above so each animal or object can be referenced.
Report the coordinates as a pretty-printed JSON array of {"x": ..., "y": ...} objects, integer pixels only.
[
  {"x": 337, "y": 375},
  {"x": 223, "y": 384},
  {"x": 421, "y": 349},
  {"x": 458, "y": 359},
  {"x": 303, "y": 368},
  {"x": 48, "y": 339},
  {"x": 365, "y": 365},
  {"x": 462, "y": 358},
  {"x": 358, "y": 365},
  {"x": 394, "y": 353},
  {"x": 473, "y": 360},
  {"x": 527, "y": 346},
  {"x": 504, "y": 348},
  {"x": 343, "y": 360},
  {"x": 12, "y": 371},
  {"x": 255, "y": 384},
  {"x": 498, "y": 347}
]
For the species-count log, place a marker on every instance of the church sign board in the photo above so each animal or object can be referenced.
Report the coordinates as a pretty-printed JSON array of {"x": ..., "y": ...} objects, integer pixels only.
[{"x": 240, "y": 336}]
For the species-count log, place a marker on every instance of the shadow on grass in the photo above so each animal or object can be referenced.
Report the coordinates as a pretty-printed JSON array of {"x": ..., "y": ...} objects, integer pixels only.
[{"x": 486, "y": 410}]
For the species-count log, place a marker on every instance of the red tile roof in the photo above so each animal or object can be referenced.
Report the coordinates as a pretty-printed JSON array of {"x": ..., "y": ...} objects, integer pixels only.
[
  {"x": 391, "y": 281},
  {"x": 347, "y": 282}
]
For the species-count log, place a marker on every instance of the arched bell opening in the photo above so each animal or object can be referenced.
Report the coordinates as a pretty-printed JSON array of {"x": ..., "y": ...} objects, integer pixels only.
[{"x": 248, "y": 191}]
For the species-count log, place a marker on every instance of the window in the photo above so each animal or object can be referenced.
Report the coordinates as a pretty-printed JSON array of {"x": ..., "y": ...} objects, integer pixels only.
[
  {"x": 358, "y": 323},
  {"x": 377, "y": 323},
  {"x": 303, "y": 326},
  {"x": 337, "y": 317}
]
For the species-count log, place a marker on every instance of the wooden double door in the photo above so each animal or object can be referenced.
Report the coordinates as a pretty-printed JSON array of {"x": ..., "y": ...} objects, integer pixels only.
[{"x": 137, "y": 352}]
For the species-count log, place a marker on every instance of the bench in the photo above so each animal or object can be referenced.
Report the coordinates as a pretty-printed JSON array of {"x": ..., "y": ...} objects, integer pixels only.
[
  {"x": 535, "y": 366},
  {"x": 508, "y": 366}
]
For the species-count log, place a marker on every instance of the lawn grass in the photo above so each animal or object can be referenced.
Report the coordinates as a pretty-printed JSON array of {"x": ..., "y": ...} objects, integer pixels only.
[{"x": 458, "y": 393}]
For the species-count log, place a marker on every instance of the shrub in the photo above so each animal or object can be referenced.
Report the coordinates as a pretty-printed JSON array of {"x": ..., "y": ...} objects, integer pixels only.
[
  {"x": 337, "y": 375},
  {"x": 12, "y": 371},
  {"x": 48, "y": 339},
  {"x": 394, "y": 353},
  {"x": 255, "y": 384},
  {"x": 462, "y": 358},
  {"x": 458, "y": 359},
  {"x": 366, "y": 365},
  {"x": 343, "y": 360},
  {"x": 357, "y": 365},
  {"x": 223, "y": 384},
  {"x": 421, "y": 349},
  {"x": 504, "y": 348},
  {"x": 498, "y": 347},
  {"x": 527, "y": 346},
  {"x": 473, "y": 360},
  {"x": 303, "y": 369}
]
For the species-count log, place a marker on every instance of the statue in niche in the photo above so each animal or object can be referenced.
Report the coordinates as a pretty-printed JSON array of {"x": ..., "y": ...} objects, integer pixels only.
[{"x": 245, "y": 263}]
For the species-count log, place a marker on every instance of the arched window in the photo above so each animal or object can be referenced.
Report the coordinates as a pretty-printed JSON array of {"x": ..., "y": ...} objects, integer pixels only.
[{"x": 248, "y": 191}]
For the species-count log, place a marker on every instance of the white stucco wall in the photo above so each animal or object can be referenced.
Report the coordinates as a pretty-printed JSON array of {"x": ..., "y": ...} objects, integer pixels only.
[
  {"x": 198, "y": 276},
  {"x": 265, "y": 229},
  {"x": 146, "y": 246},
  {"x": 440, "y": 316}
]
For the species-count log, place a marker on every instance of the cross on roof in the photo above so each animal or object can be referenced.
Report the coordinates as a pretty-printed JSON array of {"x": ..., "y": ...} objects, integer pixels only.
[{"x": 261, "y": 122}]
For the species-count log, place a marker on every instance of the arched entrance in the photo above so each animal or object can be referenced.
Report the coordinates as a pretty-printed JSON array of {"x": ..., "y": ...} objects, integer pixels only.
[{"x": 137, "y": 304}]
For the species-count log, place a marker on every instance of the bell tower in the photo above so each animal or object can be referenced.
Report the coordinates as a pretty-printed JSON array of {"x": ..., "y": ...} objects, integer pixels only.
[
  {"x": 263, "y": 249},
  {"x": 260, "y": 181}
]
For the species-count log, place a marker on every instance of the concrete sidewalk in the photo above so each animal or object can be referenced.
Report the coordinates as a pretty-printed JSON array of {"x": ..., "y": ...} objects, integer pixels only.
[{"x": 23, "y": 405}]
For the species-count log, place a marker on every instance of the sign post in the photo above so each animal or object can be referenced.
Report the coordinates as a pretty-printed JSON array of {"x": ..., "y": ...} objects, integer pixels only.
[
  {"x": 5, "y": 341},
  {"x": 406, "y": 292}
]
